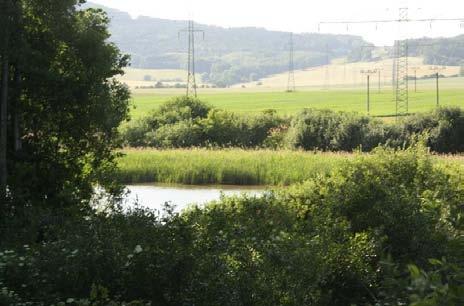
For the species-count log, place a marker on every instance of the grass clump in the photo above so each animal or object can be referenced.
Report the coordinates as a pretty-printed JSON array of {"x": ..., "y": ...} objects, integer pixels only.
[{"x": 227, "y": 166}]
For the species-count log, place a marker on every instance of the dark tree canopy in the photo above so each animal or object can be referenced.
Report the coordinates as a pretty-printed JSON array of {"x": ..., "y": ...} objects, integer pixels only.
[{"x": 63, "y": 104}]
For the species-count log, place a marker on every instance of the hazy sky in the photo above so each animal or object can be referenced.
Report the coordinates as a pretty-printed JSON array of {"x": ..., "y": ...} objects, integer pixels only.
[{"x": 304, "y": 15}]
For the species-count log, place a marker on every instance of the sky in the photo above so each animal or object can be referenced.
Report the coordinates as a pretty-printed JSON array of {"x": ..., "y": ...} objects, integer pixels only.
[{"x": 302, "y": 16}]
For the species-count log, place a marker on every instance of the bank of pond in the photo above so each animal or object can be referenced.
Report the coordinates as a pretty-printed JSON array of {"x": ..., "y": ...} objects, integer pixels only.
[{"x": 377, "y": 229}]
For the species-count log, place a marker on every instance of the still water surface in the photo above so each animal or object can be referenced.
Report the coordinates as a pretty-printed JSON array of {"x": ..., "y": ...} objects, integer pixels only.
[{"x": 154, "y": 196}]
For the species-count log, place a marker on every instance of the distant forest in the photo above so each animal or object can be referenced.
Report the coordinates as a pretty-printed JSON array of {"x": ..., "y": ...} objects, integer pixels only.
[
  {"x": 227, "y": 55},
  {"x": 439, "y": 51},
  {"x": 233, "y": 55}
]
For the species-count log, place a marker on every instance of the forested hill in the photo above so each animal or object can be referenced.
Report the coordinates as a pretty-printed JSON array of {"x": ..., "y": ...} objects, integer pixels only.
[
  {"x": 226, "y": 55},
  {"x": 439, "y": 51}
]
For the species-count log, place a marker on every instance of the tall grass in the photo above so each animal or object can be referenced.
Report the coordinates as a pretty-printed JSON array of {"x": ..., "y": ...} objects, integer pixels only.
[
  {"x": 235, "y": 166},
  {"x": 231, "y": 166}
]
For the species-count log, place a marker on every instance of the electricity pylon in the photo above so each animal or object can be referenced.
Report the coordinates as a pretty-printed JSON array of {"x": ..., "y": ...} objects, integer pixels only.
[
  {"x": 400, "y": 67},
  {"x": 402, "y": 78},
  {"x": 191, "y": 80}
]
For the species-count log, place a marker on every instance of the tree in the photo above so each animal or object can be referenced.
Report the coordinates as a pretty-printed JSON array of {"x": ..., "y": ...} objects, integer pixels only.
[
  {"x": 6, "y": 24},
  {"x": 65, "y": 104},
  {"x": 3, "y": 118}
]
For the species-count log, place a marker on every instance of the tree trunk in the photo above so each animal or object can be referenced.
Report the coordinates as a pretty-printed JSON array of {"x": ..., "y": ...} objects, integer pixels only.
[
  {"x": 17, "y": 113},
  {"x": 5, "y": 69},
  {"x": 4, "y": 125}
]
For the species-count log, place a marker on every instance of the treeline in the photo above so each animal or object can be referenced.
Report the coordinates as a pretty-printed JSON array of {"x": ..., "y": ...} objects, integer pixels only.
[
  {"x": 227, "y": 55},
  {"x": 246, "y": 67},
  {"x": 439, "y": 51},
  {"x": 384, "y": 229},
  {"x": 185, "y": 122}
]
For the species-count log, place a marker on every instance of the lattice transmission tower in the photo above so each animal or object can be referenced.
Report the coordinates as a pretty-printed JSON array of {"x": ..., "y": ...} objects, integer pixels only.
[
  {"x": 191, "y": 79},
  {"x": 401, "y": 71},
  {"x": 400, "y": 65},
  {"x": 291, "y": 67}
]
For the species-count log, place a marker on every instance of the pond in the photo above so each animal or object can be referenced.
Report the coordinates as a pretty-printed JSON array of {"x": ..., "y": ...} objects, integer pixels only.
[{"x": 154, "y": 196}]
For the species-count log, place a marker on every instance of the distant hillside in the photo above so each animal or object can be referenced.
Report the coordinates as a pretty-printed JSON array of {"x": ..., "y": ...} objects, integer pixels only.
[
  {"x": 434, "y": 51},
  {"x": 439, "y": 51},
  {"x": 350, "y": 75},
  {"x": 226, "y": 56}
]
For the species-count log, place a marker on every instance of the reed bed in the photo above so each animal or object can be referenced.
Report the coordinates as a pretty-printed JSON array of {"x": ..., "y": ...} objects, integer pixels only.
[
  {"x": 228, "y": 166},
  {"x": 235, "y": 166}
]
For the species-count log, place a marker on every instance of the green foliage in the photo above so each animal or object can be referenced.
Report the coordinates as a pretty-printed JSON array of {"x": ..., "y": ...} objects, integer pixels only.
[
  {"x": 327, "y": 130},
  {"x": 187, "y": 122},
  {"x": 341, "y": 239},
  {"x": 182, "y": 108},
  {"x": 226, "y": 129},
  {"x": 177, "y": 125},
  {"x": 223, "y": 128},
  {"x": 178, "y": 135},
  {"x": 225, "y": 166},
  {"x": 441, "y": 285},
  {"x": 444, "y": 128},
  {"x": 67, "y": 105},
  {"x": 374, "y": 194}
]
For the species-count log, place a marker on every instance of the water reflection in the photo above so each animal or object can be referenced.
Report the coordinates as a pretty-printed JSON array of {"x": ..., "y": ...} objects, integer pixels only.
[{"x": 155, "y": 196}]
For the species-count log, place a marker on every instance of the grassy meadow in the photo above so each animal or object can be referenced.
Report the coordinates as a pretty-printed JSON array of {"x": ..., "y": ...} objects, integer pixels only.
[
  {"x": 251, "y": 100},
  {"x": 228, "y": 166},
  {"x": 233, "y": 166}
]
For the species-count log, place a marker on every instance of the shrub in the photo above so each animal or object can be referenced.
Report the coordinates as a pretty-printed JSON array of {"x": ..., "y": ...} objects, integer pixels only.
[
  {"x": 223, "y": 128},
  {"x": 328, "y": 130},
  {"x": 444, "y": 128},
  {"x": 341, "y": 239},
  {"x": 260, "y": 126},
  {"x": 182, "y": 134},
  {"x": 183, "y": 108},
  {"x": 311, "y": 129},
  {"x": 276, "y": 137},
  {"x": 143, "y": 132},
  {"x": 135, "y": 132}
]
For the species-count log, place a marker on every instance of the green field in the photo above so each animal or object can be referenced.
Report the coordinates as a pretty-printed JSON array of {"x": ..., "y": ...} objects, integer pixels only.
[
  {"x": 231, "y": 166},
  {"x": 248, "y": 100}
]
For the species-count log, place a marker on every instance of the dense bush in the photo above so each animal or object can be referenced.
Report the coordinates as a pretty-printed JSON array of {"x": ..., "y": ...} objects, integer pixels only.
[
  {"x": 348, "y": 238},
  {"x": 186, "y": 122},
  {"x": 181, "y": 134},
  {"x": 444, "y": 128},
  {"x": 226, "y": 129},
  {"x": 328, "y": 130}
]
